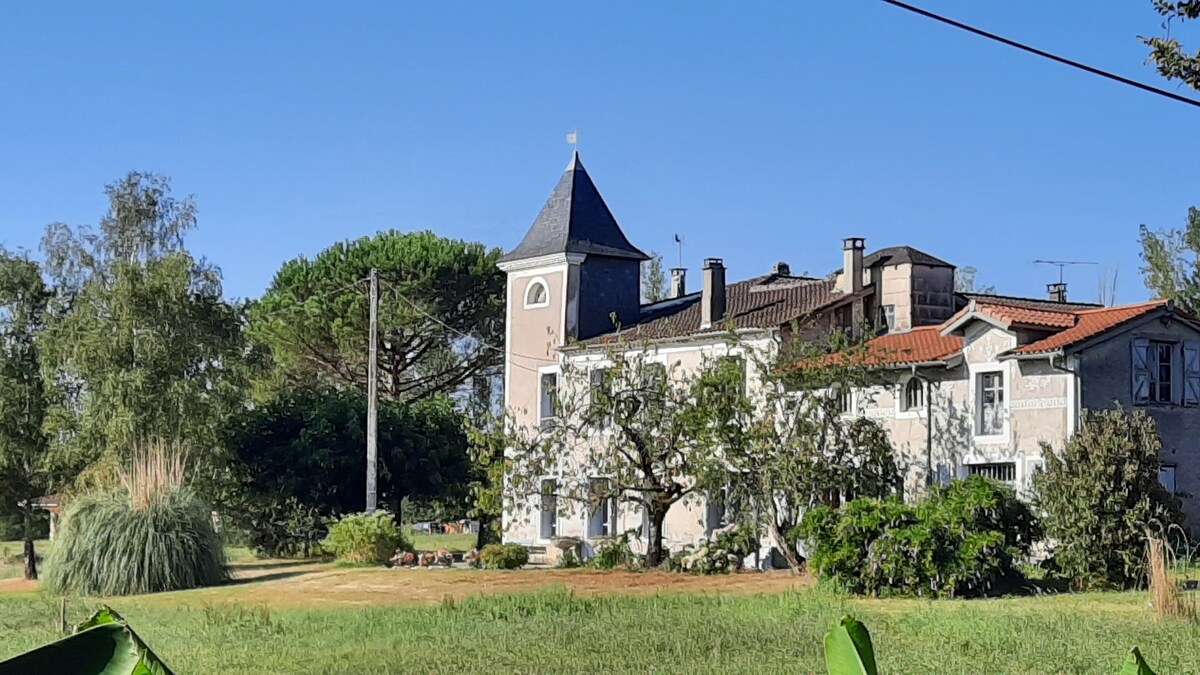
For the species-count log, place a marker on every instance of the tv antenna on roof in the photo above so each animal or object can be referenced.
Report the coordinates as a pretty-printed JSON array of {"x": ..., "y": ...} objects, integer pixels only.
[
  {"x": 1063, "y": 263},
  {"x": 679, "y": 248}
]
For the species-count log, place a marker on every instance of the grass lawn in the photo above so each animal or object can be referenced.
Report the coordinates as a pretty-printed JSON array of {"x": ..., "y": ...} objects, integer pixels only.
[{"x": 301, "y": 617}]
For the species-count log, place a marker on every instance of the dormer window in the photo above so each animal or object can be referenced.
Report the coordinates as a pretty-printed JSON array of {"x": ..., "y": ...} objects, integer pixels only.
[{"x": 537, "y": 294}]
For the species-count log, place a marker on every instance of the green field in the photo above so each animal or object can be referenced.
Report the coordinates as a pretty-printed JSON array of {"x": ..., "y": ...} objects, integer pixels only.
[
  {"x": 556, "y": 631},
  {"x": 452, "y": 542}
]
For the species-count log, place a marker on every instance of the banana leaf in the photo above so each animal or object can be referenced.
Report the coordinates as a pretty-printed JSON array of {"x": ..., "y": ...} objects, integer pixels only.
[
  {"x": 102, "y": 645},
  {"x": 1135, "y": 664},
  {"x": 848, "y": 649}
]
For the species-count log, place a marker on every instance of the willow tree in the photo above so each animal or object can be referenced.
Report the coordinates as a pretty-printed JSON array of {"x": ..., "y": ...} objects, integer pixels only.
[
  {"x": 25, "y": 468},
  {"x": 632, "y": 422},
  {"x": 441, "y": 315},
  {"x": 140, "y": 343}
]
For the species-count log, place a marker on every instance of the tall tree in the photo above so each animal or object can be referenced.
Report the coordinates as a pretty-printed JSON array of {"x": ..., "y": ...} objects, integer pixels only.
[
  {"x": 648, "y": 453},
  {"x": 654, "y": 279},
  {"x": 25, "y": 468},
  {"x": 785, "y": 444},
  {"x": 441, "y": 316},
  {"x": 966, "y": 280},
  {"x": 1171, "y": 262},
  {"x": 1166, "y": 52},
  {"x": 141, "y": 343}
]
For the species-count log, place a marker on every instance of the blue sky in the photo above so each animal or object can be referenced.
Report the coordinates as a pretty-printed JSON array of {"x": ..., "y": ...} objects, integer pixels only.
[{"x": 758, "y": 131}]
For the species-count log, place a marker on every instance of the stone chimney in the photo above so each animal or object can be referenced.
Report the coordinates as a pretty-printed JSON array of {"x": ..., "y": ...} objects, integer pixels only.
[
  {"x": 678, "y": 282},
  {"x": 851, "y": 280},
  {"x": 712, "y": 298},
  {"x": 1057, "y": 291},
  {"x": 782, "y": 269}
]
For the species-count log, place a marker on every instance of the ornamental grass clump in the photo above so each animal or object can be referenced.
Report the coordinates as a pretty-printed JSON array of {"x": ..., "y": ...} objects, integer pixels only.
[{"x": 151, "y": 534}]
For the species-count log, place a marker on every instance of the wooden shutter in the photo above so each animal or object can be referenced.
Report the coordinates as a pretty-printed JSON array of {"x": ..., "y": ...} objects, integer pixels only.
[
  {"x": 1191, "y": 372},
  {"x": 1141, "y": 373}
]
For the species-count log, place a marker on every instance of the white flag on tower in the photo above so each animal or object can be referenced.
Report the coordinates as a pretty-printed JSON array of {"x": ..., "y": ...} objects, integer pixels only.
[{"x": 573, "y": 137}]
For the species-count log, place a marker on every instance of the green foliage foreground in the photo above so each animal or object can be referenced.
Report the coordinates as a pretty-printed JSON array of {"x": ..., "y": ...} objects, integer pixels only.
[
  {"x": 107, "y": 547},
  {"x": 104, "y": 643},
  {"x": 554, "y": 631}
]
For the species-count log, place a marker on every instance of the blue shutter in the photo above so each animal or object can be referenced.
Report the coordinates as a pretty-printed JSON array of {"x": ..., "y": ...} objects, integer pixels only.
[
  {"x": 1191, "y": 372},
  {"x": 1141, "y": 373}
]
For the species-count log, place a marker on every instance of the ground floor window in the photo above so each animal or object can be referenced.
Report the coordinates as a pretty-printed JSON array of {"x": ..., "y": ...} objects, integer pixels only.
[
  {"x": 549, "y": 527},
  {"x": 1166, "y": 476},
  {"x": 1005, "y": 472},
  {"x": 602, "y": 511}
]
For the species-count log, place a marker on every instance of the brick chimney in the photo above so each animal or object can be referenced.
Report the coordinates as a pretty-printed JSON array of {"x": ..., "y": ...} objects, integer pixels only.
[
  {"x": 712, "y": 298},
  {"x": 678, "y": 282},
  {"x": 1057, "y": 291},
  {"x": 851, "y": 280}
]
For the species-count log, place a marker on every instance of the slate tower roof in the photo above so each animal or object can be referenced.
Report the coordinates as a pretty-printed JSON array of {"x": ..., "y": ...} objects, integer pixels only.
[{"x": 575, "y": 219}]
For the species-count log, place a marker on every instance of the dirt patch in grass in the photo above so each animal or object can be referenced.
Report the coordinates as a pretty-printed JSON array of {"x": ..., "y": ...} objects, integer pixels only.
[{"x": 316, "y": 585}]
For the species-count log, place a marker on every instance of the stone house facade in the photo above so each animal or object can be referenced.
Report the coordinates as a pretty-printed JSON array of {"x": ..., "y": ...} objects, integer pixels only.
[{"x": 978, "y": 382}]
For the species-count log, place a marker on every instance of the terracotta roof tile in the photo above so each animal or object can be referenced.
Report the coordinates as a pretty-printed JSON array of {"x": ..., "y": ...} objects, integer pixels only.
[
  {"x": 1090, "y": 323},
  {"x": 762, "y": 302},
  {"x": 920, "y": 345}
]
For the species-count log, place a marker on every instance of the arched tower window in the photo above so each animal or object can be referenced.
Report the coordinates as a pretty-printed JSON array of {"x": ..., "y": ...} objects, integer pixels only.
[
  {"x": 537, "y": 294},
  {"x": 914, "y": 395}
]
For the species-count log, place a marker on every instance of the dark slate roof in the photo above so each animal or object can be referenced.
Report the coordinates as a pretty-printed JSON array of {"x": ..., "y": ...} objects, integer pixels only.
[
  {"x": 575, "y": 219},
  {"x": 762, "y": 302},
  {"x": 1028, "y": 303},
  {"x": 898, "y": 255}
]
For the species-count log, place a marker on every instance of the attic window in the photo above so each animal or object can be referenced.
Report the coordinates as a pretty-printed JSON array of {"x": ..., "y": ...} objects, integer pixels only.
[{"x": 537, "y": 294}]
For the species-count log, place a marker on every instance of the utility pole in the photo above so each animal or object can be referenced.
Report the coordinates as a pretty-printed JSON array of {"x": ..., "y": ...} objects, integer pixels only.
[{"x": 373, "y": 396}]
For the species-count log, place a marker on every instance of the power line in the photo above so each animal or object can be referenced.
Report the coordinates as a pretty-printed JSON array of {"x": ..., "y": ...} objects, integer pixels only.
[{"x": 1044, "y": 54}]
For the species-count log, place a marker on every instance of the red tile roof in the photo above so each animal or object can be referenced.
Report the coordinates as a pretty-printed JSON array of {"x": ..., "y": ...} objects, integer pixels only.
[
  {"x": 919, "y": 345},
  {"x": 1090, "y": 323}
]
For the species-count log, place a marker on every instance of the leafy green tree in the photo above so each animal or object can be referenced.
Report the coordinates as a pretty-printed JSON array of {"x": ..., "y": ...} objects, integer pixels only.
[
  {"x": 441, "y": 317},
  {"x": 654, "y": 279},
  {"x": 308, "y": 445},
  {"x": 1166, "y": 52},
  {"x": 25, "y": 466},
  {"x": 1169, "y": 262},
  {"x": 648, "y": 452},
  {"x": 140, "y": 343},
  {"x": 1100, "y": 495},
  {"x": 785, "y": 443},
  {"x": 966, "y": 280}
]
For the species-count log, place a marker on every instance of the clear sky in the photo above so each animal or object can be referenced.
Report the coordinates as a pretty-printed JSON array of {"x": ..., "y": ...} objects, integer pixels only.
[{"x": 758, "y": 131}]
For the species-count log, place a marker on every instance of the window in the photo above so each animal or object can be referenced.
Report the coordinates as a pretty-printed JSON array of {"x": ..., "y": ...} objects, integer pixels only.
[
  {"x": 548, "y": 400},
  {"x": 1166, "y": 476},
  {"x": 602, "y": 512},
  {"x": 843, "y": 399},
  {"x": 1005, "y": 472},
  {"x": 537, "y": 294},
  {"x": 1153, "y": 367},
  {"x": 549, "y": 505},
  {"x": 721, "y": 509},
  {"x": 990, "y": 395},
  {"x": 914, "y": 395},
  {"x": 887, "y": 317}
]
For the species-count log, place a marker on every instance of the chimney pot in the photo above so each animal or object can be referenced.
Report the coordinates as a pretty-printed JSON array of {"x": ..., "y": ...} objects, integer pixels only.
[
  {"x": 712, "y": 297},
  {"x": 851, "y": 280},
  {"x": 783, "y": 269},
  {"x": 678, "y": 282},
  {"x": 1057, "y": 291}
]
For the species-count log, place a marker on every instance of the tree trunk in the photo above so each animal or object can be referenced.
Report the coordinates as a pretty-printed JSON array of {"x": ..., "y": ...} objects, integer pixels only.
[
  {"x": 486, "y": 534},
  {"x": 789, "y": 550},
  {"x": 654, "y": 539},
  {"x": 30, "y": 555}
]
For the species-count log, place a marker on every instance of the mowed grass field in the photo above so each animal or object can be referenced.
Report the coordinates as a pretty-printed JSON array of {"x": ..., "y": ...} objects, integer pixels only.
[{"x": 305, "y": 617}]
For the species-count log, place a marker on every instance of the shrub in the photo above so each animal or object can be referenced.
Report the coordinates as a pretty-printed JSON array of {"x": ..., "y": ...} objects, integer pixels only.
[
  {"x": 616, "y": 553},
  {"x": 107, "y": 546},
  {"x": 568, "y": 561},
  {"x": 368, "y": 538},
  {"x": 725, "y": 552},
  {"x": 962, "y": 539},
  {"x": 503, "y": 557},
  {"x": 1100, "y": 496},
  {"x": 280, "y": 528}
]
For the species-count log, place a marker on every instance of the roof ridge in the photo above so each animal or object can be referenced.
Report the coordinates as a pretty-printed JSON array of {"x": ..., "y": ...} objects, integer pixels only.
[{"x": 1113, "y": 308}]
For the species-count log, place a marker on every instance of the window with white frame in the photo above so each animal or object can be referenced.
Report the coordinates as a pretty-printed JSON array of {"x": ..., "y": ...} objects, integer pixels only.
[
  {"x": 912, "y": 399},
  {"x": 887, "y": 317},
  {"x": 537, "y": 294},
  {"x": 990, "y": 409},
  {"x": 602, "y": 509},
  {"x": 549, "y": 509},
  {"x": 548, "y": 397},
  {"x": 721, "y": 509},
  {"x": 1005, "y": 472},
  {"x": 1166, "y": 476},
  {"x": 842, "y": 397}
]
